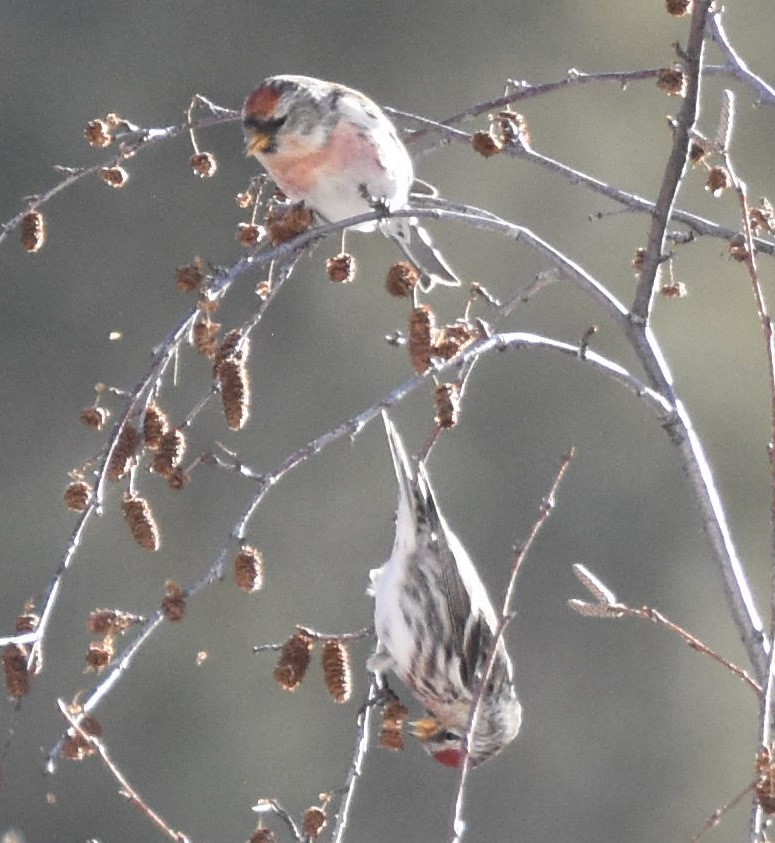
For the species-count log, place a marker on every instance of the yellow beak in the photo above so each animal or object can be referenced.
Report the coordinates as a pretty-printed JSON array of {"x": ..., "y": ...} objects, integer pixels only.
[
  {"x": 258, "y": 142},
  {"x": 425, "y": 728}
]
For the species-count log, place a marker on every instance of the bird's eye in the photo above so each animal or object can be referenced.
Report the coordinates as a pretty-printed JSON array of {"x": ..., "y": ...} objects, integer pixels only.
[
  {"x": 450, "y": 736},
  {"x": 268, "y": 125}
]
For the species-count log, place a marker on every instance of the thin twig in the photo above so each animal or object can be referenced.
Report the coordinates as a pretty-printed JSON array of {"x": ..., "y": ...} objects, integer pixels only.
[
  {"x": 714, "y": 819},
  {"x": 146, "y": 138},
  {"x": 607, "y": 606},
  {"x": 457, "y": 825},
  {"x": 435, "y": 133},
  {"x": 272, "y": 806},
  {"x": 315, "y": 635},
  {"x": 735, "y": 64},
  {"x": 126, "y": 789},
  {"x": 365, "y": 715},
  {"x": 675, "y": 168}
]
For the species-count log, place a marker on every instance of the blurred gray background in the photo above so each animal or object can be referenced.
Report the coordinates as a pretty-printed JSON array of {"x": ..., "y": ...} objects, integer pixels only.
[{"x": 626, "y": 730}]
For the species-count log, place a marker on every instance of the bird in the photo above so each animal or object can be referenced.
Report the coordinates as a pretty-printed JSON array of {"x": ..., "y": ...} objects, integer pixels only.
[
  {"x": 436, "y": 625},
  {"x": 336, "y": 150}
]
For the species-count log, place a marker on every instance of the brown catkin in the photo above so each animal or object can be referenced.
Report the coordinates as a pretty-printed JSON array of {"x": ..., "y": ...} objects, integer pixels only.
[
  {"x": 139, "y": 517},
  {"x": 422, "y": 333},
  {"x": 294, "y": 661},
  {"x": 77, "y": 495},
  {"x": 335, "y": 659},
  {"x": 174, "y": 603},
  {"x": 17, "y": 679},
  {"x": 33, "y": 231},
  {"x": 313, "y": 823},
  {"x": 235, "y": 392},
  {"x": 401, "y": 279},
  {"x": 155, "y": 425},
  {"x": 249, "y": 569},
  {"x": 172, "y": 446},
  {"x": 124, "y": 450}
]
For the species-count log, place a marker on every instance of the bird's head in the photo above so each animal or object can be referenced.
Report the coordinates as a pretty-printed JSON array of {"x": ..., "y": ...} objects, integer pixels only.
[
  {"x": 282, "y": 106},
  {"x": 443, "y": 744},
  {"x": 498, "y": 723}
]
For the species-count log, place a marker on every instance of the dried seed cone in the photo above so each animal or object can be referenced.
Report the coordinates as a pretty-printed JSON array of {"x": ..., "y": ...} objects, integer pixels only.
[
  {"x": 673, "y": 290},
  {"x": 250, "y": 234},
  {"x": 313, "y": 823},
  {"x": 235, "y": 392},
  {"x": 178, "y": 479},
  {"x": 17, "y": 679},
  {"x": 718, "y": 181},
  {"x": 203, "y": 164},
  {"x": 94, "y": 417},
  {"x": 284, "y": 225},
  {"x": 100, "y": 654},
  {"x": 737, "y": 248},
  {"x": 249, "y": 569},
  {"x": 110, "y": 621},
  {"x": 673, "y": 81},
  {"x": 120, "y": 459},
  {"x": 27, "y": 622},
  {"x": 263, "y": 835},
  {"x": 395, "y": 714},
  {"x": 33, "y": 231},
  {"x": 341, "y": 268},
  {"x": 234, "y": 345},
  {"x": 97, "y": 134},
  {"x": 452, "y": 338},
  {"x": 76, "y": 747},
  {"x": 89, "y": 725},
  {"x": 172, "y": 447},
  {"x": 155, "y": 425},
  {"x": 485, "y": 144},
  {"x": 138, "y": 514},
  {"x": 336, "y": 670},
  {"x": 762, "y": 217},
  {"x": 679, "y": 8},
  {"x": 77, "y": 495},
  {"x": 190, "y": 276},
  {"x": 765, "y": 780},
  {"x": 294, "y": 661},
  {"x": 401, "y": 279},
  {"x": 115, "y": 177},
  {"x": 174, "y": 603},
  {"x": 447, "y": 403},
  {"x": 639, "y": 260},
  {"x": 204, "y": 337},
  {"x": 391, "y": 735},
  {"x": 422, "y": 333},
  {"x": 392, "y": 739}
]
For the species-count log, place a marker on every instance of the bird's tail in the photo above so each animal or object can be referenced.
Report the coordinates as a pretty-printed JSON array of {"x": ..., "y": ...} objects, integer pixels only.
[
  {"x": 416, "y": 244},
  {"x": 404, "y": 473}
]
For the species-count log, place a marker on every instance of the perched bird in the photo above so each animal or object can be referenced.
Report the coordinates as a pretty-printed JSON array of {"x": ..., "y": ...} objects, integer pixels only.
[
  {"x": 336, "y": 150},
  {"x": 435, "y": 626}
]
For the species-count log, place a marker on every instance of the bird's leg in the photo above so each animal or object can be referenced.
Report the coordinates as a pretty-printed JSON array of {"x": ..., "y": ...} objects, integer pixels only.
[
  {"x": 377, "y": 203},
  {"x": 383, "y": 696}
]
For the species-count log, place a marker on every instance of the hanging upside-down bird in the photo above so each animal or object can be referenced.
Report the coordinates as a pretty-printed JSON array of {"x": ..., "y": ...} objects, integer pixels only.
[
  {"x": 435, "y": 626},
  {"x": 335, "y": 149}
]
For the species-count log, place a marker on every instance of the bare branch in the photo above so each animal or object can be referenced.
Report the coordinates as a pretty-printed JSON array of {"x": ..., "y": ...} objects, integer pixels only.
[{"x": 676, "y": 165}]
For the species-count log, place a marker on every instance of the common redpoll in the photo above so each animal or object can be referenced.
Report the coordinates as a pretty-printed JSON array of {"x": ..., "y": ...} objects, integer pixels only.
[
  {"x": 435, "y": 626},
  {"x": 335, "y": 149}
]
